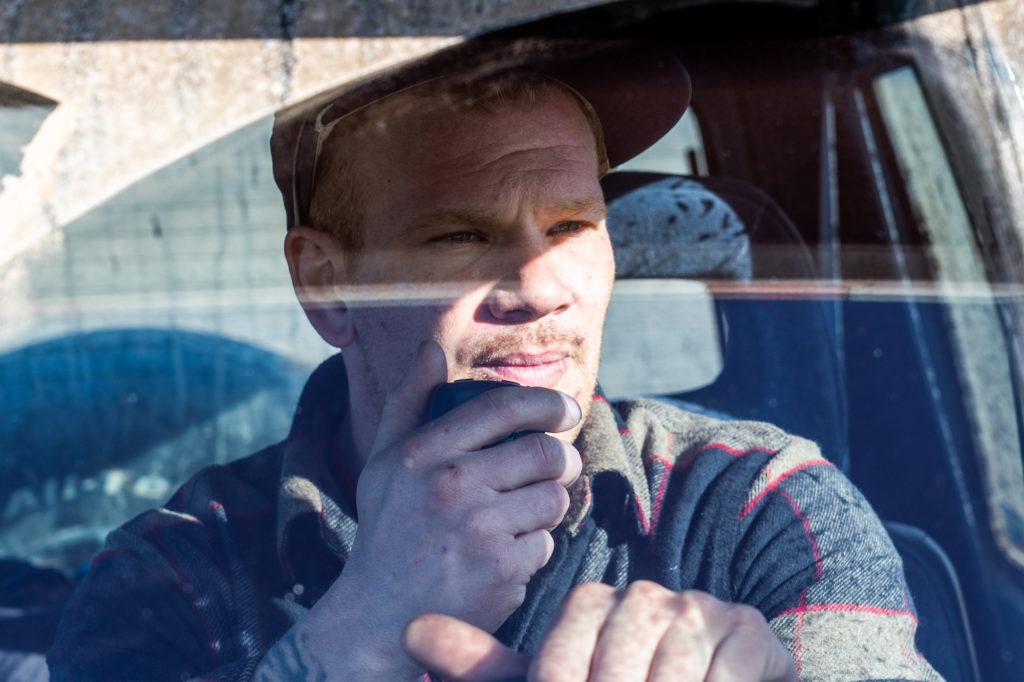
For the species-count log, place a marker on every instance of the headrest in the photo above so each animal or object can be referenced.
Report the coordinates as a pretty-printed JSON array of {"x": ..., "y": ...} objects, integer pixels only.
[{"x": 676, "y": 227}]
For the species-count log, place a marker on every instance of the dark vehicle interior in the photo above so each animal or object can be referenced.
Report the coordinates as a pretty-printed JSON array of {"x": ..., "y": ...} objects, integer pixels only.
[{"x": 851, "y": 328}]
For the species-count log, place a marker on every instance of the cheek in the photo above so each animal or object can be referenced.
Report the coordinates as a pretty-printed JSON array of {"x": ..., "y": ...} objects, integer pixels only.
[
  {"x": 599, "y": 278},
  {"x": 393, "y": 333},
  {"x": 455, "y": 325},
  {"x": 397, "y": 330}
]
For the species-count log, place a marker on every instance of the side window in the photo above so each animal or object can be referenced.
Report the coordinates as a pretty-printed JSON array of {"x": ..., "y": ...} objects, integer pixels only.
[
  {"x": 934, "y": 196},
  {"x": 194, "y": 246},
  {"x": 161, "y": 333},
  {"x": 979, "y": 339}
]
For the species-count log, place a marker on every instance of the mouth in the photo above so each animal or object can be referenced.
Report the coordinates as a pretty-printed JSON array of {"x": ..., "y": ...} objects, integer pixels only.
[{"x": 528, "y": 369}]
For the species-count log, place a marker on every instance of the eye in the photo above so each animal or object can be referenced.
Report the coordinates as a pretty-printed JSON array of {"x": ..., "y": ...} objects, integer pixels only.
[
  {"x": 463, "y": 237},
  {"x": 569, "y": 227}
]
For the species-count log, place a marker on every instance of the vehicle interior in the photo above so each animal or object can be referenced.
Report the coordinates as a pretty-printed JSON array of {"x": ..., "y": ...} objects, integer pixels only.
[{"x": 857, "y": 283}]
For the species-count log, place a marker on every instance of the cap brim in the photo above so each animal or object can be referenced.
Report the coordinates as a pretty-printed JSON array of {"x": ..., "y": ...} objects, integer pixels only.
[{"x": 638, "y": 92}]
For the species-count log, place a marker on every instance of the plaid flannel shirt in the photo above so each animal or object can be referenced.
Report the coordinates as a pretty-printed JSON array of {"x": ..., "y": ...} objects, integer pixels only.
[{"x": 203, "y": 587}]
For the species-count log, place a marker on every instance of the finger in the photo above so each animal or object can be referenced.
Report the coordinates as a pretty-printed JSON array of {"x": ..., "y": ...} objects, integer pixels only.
[
  {"x": 458, "y": 651},
  {"x": 634, "y": 630},
  {"x": 750, "y": 651},
  {"x": 535, "y": 547},
  {"x": 684, "y": 652},
  {"x": 525, "y": 460},
  {"x": 405, "y": 407},
  {"x": 565, "y": 655},
  {"x": 521, "y": 557},
  {"x": 500, "y": 412},
  {"x": 534, "y": 507}
]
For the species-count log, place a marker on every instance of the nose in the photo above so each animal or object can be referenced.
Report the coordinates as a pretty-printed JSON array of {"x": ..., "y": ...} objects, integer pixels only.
[{"x": 536, "y": 286}]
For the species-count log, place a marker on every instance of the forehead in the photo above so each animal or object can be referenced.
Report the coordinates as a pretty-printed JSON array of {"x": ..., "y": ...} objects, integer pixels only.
[{"x": 436, "y": 144}]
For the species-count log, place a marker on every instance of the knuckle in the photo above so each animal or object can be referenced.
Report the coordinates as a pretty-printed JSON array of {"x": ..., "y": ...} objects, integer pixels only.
[
  {"x": 448, "y": 486},
  {"x": 478, "y": 529},
  {"x": 508, "y": 403},
  {"x": 549, "y": 666},
  {"x": 694, "y": 608},
  {"x": 553, "y": 458},
  {"x": 540, "y": 548},
  {"x": 518, "y": 404},
  {"x": 644, "y": 590},
  {"x": 545, "y": 453},
  {"x": 508, "y": 564},
  {"x": 746, "y": 618},
  {"x": 695, "y": 600},
  {"x": 547, "y": 548},
  {"x": 555, "y": 500},
  {"x": 588, "y": 593},
  {"x": 574, "y": 460}
]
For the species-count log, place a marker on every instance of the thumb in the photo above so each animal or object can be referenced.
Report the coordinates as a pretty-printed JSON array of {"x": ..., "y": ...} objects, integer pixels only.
[
  {"x": 405, "y": 407},
  {"x": 458, "y": 651}
]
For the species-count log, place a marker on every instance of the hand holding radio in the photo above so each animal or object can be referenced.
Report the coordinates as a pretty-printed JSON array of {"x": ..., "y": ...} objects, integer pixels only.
[
  {"x": 448, "y": 396},
  {"x": 455, "y": 512}
]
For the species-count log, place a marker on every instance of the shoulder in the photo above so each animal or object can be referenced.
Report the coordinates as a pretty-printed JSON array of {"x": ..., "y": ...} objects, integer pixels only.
[
  {"x": 698, "y": 466},
  {"x": 222, "y": 512},
  {"x": 186, "y": 573},
  {"x": 780, "y": 528},
  {"x": 672, "y": 430},
  {"x": 246, "y": 488}
]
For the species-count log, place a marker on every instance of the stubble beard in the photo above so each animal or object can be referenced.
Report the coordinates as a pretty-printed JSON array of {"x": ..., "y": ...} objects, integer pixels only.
[
  {"x": 468, "y": 361},
  {"x": 582, "y": 354}
]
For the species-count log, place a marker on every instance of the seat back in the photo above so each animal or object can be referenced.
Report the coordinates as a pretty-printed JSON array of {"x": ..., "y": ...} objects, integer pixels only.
[
  {"x": 781, "y": 360},
  {"x": 943, "y": 634}
]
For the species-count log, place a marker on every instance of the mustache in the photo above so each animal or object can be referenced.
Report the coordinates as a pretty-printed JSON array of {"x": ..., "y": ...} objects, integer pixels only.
[{"x": 485, "y": 351}]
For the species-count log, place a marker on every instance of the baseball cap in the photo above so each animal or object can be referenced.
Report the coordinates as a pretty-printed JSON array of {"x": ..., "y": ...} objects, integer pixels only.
[{"x": 637, "y": 91}]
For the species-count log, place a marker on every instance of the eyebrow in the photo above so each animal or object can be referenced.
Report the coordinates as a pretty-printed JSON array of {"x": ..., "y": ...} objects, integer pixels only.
[
  {"x": 585, "y": 205},
  {"x": 480, "y": 219}
]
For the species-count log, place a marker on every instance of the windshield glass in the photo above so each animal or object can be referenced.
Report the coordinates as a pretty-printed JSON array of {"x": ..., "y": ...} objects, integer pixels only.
[{"x": 829, "y": 240}]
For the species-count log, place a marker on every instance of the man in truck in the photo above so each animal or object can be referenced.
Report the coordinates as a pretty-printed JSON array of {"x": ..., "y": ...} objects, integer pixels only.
[{"x": 451, "y": 226}]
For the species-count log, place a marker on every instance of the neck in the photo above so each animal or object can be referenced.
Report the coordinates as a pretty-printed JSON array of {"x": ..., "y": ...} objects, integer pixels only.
[{"x": 359, "y": 429}]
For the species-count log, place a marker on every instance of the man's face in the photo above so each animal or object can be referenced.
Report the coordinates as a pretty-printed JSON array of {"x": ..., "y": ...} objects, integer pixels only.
[{"x": 500, "y": 217}]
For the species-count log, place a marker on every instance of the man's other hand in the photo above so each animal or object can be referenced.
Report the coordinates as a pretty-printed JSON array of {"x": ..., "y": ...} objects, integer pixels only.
[{"x": 645, "y": 632}]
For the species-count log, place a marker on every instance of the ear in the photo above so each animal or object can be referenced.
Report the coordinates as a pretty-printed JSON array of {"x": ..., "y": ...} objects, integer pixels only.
[{"x": 316, "y": 264}]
